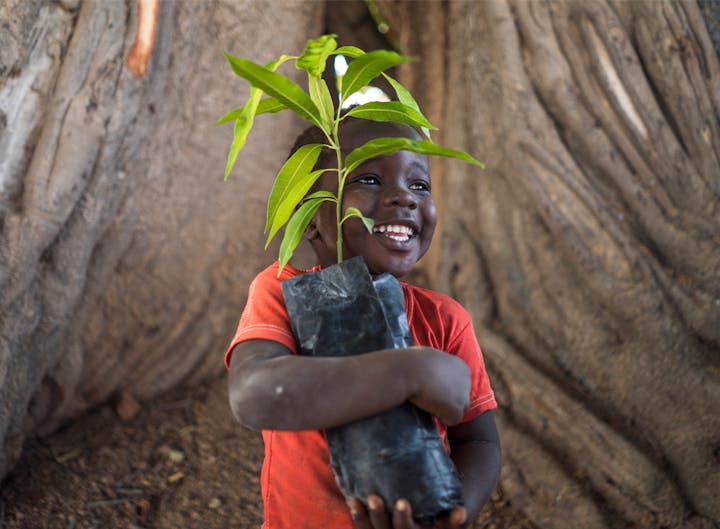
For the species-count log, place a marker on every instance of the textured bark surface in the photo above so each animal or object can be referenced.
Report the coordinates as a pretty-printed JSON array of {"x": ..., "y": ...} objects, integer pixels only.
[
  {"x": 588, "y": 248},
  {"x": 124, "y": 258}
]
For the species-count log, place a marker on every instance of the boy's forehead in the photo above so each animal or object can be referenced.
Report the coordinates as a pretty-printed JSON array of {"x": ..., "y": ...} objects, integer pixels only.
[{"x": 359, "y": 131}]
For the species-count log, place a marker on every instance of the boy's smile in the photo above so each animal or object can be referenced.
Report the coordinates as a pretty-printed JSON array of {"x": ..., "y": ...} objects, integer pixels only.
[{"x": 392, "y": 190}]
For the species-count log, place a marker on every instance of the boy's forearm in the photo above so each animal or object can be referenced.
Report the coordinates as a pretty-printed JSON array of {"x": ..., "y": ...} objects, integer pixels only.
[
  {"x": 288, "y": 392},
  {"x": 478, "y": 463},
  {"x": 475, "y": 450}
]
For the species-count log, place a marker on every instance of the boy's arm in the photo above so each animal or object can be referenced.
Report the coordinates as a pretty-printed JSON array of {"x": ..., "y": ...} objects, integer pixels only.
[
  {"x": 475, "y": 450},
  {"x": 270, "y": 388}
]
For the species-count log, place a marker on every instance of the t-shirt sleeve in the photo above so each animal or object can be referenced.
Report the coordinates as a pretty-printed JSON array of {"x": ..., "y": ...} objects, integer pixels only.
[
  {"x": 264, "y": 316},
  {"x": 464, "y": 344}
]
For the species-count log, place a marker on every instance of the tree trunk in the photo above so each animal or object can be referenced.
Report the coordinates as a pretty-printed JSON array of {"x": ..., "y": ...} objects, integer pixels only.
[
  {"x": 588, "y": 248},
  {"x": 124, "y": 257}
]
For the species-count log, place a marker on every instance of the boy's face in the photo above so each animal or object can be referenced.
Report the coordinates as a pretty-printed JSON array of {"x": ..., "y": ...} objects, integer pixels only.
[{"x": 394, "y": 191}]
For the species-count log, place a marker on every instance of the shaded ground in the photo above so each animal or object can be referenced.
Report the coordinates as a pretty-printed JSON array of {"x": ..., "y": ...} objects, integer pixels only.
[{"x": 180, "y": 462}]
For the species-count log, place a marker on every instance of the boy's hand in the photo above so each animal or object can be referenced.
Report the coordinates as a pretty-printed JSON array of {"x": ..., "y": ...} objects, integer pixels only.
[
  {"x": 377, "y": 518},
  {"x": 442, "y": 386}
]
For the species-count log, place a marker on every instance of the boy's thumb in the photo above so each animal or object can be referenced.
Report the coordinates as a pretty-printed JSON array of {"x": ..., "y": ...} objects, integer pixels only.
[{"x": 458, "y": 517}]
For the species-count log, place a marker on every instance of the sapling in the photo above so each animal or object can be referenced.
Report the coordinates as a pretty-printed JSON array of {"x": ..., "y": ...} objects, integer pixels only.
[
  {"x": 398, "y": 453},
  {"x": 288, "y": 203}
]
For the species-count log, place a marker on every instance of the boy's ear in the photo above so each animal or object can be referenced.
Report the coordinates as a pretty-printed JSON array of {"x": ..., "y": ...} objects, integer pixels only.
[{"x": 311, "y": 232}]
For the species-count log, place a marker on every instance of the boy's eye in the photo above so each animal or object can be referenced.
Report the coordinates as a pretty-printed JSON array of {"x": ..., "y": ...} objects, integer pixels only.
[
  {"x": 420, "y": 186},
  {"x": 368, "y": 179}
]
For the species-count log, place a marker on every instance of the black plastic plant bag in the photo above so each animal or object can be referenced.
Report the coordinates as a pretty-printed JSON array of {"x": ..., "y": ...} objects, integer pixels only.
[{"x": 340, "y": 311}]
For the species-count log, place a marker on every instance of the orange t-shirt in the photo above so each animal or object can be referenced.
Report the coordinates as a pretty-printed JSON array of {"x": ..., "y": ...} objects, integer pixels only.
[{"x": 298, "y": 487}]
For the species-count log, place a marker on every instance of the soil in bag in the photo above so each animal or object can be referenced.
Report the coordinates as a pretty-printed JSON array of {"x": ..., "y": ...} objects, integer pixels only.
[{"x": 340, "y": 311}]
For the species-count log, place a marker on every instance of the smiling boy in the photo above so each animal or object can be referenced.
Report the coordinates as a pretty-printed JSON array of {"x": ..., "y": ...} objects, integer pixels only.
[
  {"x": 394, "y": 191},
  {"x": 292, "y": 398}
]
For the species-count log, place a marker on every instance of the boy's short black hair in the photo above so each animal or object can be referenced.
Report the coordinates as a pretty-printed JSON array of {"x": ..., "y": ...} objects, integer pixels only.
[{"x": 313, "y": 134}]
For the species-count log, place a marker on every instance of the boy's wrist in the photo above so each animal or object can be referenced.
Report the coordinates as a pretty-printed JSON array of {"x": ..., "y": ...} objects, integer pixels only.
[{"x": 417, "y": 368}]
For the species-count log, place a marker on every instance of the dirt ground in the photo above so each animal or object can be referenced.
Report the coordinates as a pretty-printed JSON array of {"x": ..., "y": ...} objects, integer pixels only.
[{"x": 180, "y": 461}]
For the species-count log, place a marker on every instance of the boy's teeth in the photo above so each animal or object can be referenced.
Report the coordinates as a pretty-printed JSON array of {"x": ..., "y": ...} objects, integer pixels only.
[
  {"x": 395, "y": 232},
  {"x": 395, "y": 229}
]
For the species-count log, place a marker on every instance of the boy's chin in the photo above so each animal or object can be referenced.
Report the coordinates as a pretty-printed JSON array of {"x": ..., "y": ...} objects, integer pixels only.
[
  {"x": 399, "y": 270},
  {"x": 398, "y": 266}
]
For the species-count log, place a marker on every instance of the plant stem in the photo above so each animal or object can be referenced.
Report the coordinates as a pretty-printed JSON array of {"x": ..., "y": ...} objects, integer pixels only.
[{"x": 341, "y": 182}]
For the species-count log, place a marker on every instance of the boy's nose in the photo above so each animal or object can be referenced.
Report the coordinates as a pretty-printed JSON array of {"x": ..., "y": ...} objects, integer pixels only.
[{"x": 400, "y": 197}]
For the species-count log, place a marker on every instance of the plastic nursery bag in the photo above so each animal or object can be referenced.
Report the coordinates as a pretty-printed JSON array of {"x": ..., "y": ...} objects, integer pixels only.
[{"x": 340, "y": 311}]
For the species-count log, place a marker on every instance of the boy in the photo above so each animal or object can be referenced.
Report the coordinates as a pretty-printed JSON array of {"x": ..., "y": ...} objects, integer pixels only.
[{"x": 293, "y": 398}]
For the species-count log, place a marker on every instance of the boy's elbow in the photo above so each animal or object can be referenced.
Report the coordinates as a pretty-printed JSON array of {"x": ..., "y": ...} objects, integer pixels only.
[
  {"x": 243, "y": 412},
  {"x": 242, "y": 406},
  {"x": 253, "y": 391}
]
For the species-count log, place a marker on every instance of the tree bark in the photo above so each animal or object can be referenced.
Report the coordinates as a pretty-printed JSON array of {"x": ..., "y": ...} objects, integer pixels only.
[
  {"x": 588, "y": 248},
  {"x": 124, "y": 257}
]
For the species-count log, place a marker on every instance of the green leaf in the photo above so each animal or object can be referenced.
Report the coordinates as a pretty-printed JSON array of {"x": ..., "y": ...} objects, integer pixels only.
[
  {"x": 293, "y": 197},
  {"x": 366, "y": 68},
  {"x": 292, "y": 174},
  {"x": 355, "y": 212},
  {"x": 243, "y": 124},
  {"x": 403, "y": 94},
  {"x": 349, "y": 51},
  {"x": 314, "y": 58},
  {"x": 239, "y": 135},
  {"x": 387, "y": 146},
  {"x": 390, "y": 111},
  {"x": 273, "y": 65},
  {"x": 320, "y": 94},
  {"x": 324, "y": 194},
  {"x": 267, "y": 105},
  {"x": 405, "y": 97},
  {"x": 230, "y": 116},
  {"x": 277, "y": 86},
  {"x": 298, "y": 223},
  {"x": 245, "y": 116}
]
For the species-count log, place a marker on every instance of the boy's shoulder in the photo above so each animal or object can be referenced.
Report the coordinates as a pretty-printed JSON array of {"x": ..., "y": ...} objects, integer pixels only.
[
  {"x": 270, "y": 274},
  {"x": 431, "y": 295},
  {"x": 431, "y": 300},
  {"x": 267, "y": 282}
]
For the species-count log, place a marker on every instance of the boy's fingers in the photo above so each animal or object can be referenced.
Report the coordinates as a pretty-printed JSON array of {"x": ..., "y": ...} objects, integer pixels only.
[
  {"x": 458, "y": 517},
  {"x": 378, "y": 517},
  {"x": 402, "y": 515},
  {"x": 359, "y": 514}
]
